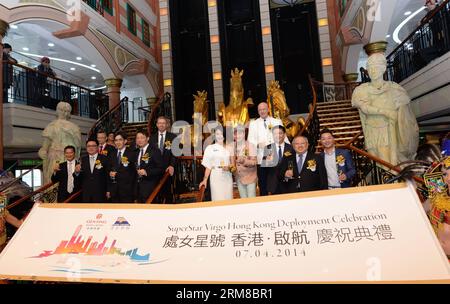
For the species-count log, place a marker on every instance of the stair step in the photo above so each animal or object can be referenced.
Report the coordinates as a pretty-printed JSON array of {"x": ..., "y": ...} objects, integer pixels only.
[
  {"x": 333, "y": 102},
  {"x": 343, "y": 123},
  {"x": 352, "y": 112},
  {"x": 335, "y": 109},
  {"x": 335, "y": 106},
  {"x": 336, "y": 129},
  {"x": 341, "y": 118}
]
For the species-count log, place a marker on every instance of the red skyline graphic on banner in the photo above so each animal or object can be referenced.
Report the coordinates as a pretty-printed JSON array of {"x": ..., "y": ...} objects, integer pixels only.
[{"x": 76, "y": 245}]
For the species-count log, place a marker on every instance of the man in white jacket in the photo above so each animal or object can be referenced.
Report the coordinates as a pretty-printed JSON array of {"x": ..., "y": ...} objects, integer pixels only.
[{"x": 260, "y": 135}]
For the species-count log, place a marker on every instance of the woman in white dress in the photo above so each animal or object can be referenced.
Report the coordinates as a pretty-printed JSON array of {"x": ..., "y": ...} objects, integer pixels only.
[{"x": 217, "y": 163}]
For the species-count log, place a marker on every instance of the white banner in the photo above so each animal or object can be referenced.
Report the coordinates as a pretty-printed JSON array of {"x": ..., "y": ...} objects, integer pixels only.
[{"x": 378, "y": 233}]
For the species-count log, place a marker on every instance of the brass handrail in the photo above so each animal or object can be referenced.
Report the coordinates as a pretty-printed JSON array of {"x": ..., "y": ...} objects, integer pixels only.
[
  {"x": 72, "y": 197},
  {"x": 100, "y": 120},
  {"x": 25, "y": 198},
  {"x": 152, "y": 113},
  {"x": 15, "y": 180},
  {"x": 201, "y": 194},
  {"x": 157, "y": 188},
  {"x": 313, "y": 107}
]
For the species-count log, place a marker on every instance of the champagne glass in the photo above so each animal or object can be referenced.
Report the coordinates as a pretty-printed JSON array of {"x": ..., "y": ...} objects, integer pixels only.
[
  {"x": 291, "y": 167},
  {"x": 113, "y": 178},
  {"x": 138, "y": 167}
]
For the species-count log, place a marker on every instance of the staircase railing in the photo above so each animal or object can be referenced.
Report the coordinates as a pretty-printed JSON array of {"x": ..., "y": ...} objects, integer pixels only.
[
  {"x": 331, "y": 92},
  {"x": 72, "y": 197},
  {"x": 371, "y": 170},
  {"x": 28, "y": 86},
  {"x": 112, "y": 120},
  {"x": 18, "y": 179},
  {"x": 46, "y": 193},
  {"x": 158, "y": 188},
  {"x": 311, "y": 128},
  {"x": 430, "y": 40},
  {"x": 162, "y": 107}
]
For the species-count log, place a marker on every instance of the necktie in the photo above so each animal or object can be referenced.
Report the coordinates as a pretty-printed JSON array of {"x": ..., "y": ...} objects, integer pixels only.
[
  {"x": 140, "y": 156},
  {"x": 119, "y": 158},
  {"x": 70, "y": 177},
  {"x": 92, "y": 163},
  {"x": 161, "y": 143},
  {"x": 300, "y": 163},
  {"x": 279, "y": 154},
  {"x": 265, "y": 125}
]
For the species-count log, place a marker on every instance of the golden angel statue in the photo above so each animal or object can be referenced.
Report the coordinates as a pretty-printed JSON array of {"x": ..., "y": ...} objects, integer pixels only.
[
  {"x": 278, "y": 108},
  {"x": 236, "y": 113}
]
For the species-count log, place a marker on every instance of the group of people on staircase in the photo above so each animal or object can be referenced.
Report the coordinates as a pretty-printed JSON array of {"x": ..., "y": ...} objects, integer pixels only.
[
  {"x": 117, "y": 172},
  {"x": 267, "y": 159}
]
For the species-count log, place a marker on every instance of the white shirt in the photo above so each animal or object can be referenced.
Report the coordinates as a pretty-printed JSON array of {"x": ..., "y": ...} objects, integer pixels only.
[
  {"x": 332, "y": 174},
  {"x": 92, "y": 159},
  {"x": 142, "y": 152},
  {"x": 70, "y": 171},
  {"x": 122, "y": 151},
  {"x": 261, "y": 136}
]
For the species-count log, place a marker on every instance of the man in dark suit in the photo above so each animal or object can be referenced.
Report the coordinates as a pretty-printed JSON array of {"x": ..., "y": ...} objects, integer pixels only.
[
  {"x": 93, "y": 174},
  {"x": 63, "y": 174},
  {"x": 303, "y": 171},
  {"x": 149, "y": 167},
  {"x": 276, "y": 153},
  {"x": 103, "y": 147},
  {"x": 163, "y": 141},
  {"x": 338, "y": 162},
  {"x": 122, "y": 172}
]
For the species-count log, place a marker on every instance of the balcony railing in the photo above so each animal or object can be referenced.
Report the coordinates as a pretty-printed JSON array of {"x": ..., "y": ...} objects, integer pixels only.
[
  {"x": 429, "y": 41},
  {"x": 23, "y": 85}
]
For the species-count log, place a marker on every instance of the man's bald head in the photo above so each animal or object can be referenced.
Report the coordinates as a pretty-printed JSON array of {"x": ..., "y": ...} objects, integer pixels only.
[{"x": 263, "y": 110}]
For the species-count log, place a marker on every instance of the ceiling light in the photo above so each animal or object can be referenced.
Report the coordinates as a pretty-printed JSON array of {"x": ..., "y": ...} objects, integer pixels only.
[
  {"x": 62, "y": 60},
  {"x": 72, "y": 69},
  {"x": 388, "y": 36},
  {"x": 93, "y": 65},
  {"x": 407, "y": 13},
  {"x": 13, "y": 26},
  {"x": 50, "y": 44},
  {"x": 25, "y": 49},
  {"x": 399, "y": 27},
  {"x": 93, "y": 77},
  {"x": 79, "y": 58}
]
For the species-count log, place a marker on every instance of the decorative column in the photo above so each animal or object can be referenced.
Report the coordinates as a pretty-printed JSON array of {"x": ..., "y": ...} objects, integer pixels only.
[
  {"x": 113, "y": 91},
  {"x": 350, "y": 77},
  {"x": 376, "y": 47},
  {"x": 350, "y": 83},
  {"x": 4, "y": 26}
]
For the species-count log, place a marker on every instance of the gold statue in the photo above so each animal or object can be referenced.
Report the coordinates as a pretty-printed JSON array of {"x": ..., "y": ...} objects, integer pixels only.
[
  {"x": 236, "y": 113},
  {"x": 278, "y": 108},
  {"x": 200, "y": 112}
]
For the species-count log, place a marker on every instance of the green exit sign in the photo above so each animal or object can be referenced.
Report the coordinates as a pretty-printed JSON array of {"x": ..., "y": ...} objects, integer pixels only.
[{"x": 30, "y": 162}]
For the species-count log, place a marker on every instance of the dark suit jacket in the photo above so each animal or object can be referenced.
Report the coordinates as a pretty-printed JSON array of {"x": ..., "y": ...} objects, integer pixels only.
[
  {"x": 109, "y": 150},
  {"x": 154, "y": 168},
  {"x": 167, "y": 156},
  {"x": 93, "y": 184},
  {"x": 274, "y": 186},
  {"x": 308, "y": 179},
  {"x": 348, "y": 167},
  {"x": 123, "y": 190},
  {"x": 61, "y": 177}
]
